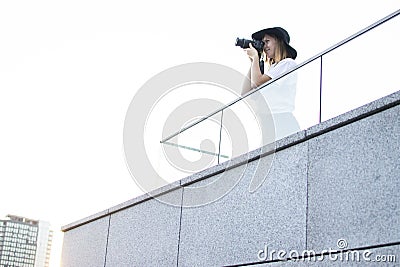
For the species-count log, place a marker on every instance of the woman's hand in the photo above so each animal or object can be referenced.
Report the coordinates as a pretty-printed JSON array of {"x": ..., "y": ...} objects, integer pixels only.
[{"x": 252, "y": 52}]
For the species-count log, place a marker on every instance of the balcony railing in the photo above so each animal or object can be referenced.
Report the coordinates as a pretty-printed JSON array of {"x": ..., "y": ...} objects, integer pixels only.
[{"x": 349, "y": 74}]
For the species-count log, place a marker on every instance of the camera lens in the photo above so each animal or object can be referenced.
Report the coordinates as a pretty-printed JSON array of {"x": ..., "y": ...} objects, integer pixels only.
[
  {"x": 238, "y": 42},
  {"x": 243, "y": 43}
]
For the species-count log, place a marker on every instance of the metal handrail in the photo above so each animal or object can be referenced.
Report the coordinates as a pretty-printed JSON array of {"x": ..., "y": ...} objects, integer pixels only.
[{"x": 319, "y": 55}]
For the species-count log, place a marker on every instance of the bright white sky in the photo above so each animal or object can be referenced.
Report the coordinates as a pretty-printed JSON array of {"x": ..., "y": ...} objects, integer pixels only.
[{"x": 69, "y": 69}]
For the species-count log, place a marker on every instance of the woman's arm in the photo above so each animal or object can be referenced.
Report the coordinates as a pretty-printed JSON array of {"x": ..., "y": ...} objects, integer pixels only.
[
  {"x": 257, "y": 78},
  {"x": 246, "y": 86},
  {"x": 254, "y": 77}
]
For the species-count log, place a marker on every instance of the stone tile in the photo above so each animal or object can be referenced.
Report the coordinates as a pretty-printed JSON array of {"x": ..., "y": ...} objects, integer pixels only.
[
  {"x": 145, "y": 234},
  {"x": 86, "y": 245},
  {"x": 354, "y": 185},
  {"x": 232, "y": 229}
]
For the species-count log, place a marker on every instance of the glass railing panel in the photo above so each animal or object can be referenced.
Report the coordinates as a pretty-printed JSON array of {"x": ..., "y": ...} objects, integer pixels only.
[
  {"x": 362, "y": 70},
  {"x": 307, "y": 101},
  {"x": 240, "y": 129},
  {"x": 283, "y": 107},
  {"x": 191, "y": 151}
]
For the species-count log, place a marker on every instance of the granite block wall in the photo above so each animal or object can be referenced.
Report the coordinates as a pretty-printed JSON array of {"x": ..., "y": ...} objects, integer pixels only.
[{"x": 334, "y": 187}]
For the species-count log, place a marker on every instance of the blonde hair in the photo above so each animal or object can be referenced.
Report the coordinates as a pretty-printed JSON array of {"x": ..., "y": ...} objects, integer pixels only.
[{"x": 280, "y": 52}]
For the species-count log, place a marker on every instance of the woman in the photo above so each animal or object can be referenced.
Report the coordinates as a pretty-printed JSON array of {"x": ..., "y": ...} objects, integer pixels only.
[{"x": 279, "y": 96}]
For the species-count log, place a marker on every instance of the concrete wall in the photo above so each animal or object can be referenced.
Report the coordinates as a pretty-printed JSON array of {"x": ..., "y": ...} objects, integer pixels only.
[{"x": 339, "y": 180}]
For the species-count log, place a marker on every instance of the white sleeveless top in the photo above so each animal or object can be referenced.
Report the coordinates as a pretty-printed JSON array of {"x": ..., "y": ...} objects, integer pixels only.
[{"x": 280, "y": 95}]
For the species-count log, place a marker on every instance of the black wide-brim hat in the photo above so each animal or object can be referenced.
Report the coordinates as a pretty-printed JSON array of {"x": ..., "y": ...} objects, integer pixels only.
[{"x": 279, "y": 33}]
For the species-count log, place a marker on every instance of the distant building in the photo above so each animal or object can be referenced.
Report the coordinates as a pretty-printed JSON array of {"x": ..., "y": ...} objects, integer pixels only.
[{"x": 24, "y": 242}]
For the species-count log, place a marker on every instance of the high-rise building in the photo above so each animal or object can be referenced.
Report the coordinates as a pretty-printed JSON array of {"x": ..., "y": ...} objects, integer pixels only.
[{"x": 24, "y": 242}]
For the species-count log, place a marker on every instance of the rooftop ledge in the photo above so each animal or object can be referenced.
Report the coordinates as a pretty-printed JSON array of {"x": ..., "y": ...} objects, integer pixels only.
[{"x": 359, "y": 113}]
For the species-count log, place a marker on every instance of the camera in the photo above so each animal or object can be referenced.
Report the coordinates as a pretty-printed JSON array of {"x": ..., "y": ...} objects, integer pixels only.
[
  {"x": 257, "y": 44},
  {"x": 244, "y": 43}
]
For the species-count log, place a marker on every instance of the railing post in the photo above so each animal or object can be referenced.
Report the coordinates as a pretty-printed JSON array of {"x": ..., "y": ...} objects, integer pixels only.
[
  {"x": 220, "y": 135},
  {"x": 320, "y": 91}
]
